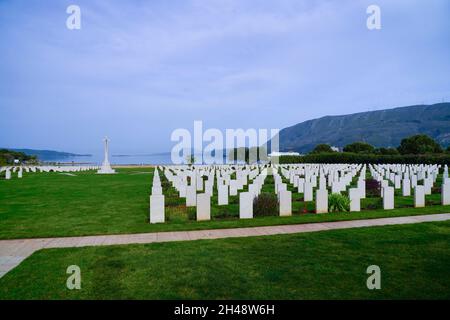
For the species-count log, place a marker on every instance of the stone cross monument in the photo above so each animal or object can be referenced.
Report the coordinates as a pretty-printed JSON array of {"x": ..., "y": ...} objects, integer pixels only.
[{"x": 106, "y": 167}]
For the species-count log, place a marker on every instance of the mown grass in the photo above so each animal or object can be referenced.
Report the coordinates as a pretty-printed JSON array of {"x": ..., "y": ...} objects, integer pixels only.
[
  {"x": 414, "y": 262},
  {"x": 57, "y": 205}
]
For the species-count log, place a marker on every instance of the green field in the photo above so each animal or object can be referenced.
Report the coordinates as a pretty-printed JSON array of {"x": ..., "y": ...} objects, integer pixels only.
[
  {"x": 414, "y": 262},
  {"x": 54, "y": 204}
]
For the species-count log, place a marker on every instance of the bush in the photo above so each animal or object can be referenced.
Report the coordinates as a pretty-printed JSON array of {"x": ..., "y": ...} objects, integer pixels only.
[
  {"x": 266, "y": 204},
  {"x": 373, "y": 188},
  {"x": 359, "y": 147},
  {"x": 322, "y": 148},
  {"x": 338, "y": 203},
  {"x": 375, "y": 204}
]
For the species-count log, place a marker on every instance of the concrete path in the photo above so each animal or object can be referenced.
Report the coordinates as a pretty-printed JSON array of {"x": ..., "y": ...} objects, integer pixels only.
[{"x": 13, "y": 252}]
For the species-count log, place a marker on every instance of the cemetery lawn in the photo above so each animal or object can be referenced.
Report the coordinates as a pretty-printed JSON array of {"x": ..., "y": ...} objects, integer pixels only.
[
  {"x": 414, "y": 261},
  {"x": 58, "y": 205}
]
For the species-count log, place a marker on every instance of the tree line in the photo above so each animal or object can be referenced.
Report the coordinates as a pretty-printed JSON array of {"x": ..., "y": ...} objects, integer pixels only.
[
  {"x": 412, "y": 150},
  {"x": 417, "y": 144}
]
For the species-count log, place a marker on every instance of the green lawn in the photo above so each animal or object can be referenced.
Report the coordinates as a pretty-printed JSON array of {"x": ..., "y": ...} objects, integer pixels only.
[
  {"x": 53, "y": 204},
  {"x": 414, "y": 262}
]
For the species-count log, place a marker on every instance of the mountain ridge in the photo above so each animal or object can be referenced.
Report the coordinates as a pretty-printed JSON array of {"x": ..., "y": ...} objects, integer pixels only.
[{"x": 381, "y": 128}]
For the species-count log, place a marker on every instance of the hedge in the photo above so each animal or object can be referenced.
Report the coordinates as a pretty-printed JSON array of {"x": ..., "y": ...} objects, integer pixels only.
[{"x": 347, "y": 157}]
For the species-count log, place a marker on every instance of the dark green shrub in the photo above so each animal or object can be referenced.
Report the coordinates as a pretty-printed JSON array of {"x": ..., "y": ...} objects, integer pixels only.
[
  {"x": 191, "y": 213},
  {"x": 266, "y": 204},
  {"x": 359, "y": 147},
  {"x": 419, "y": 144},
  {"x": 376, "y": 203},
  {"x": 338, "y": 203},
  {"x": 322, "y": 148}
]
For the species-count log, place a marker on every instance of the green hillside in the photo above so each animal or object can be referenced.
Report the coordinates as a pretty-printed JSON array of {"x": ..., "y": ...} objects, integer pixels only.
[{"x": 381, "y": 128}]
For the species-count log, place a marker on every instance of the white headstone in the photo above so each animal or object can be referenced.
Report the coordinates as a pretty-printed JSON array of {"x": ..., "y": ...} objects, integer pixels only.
[
  {"x": 191, "y": 196},
  {"x": 397, "y": 182},
  {"x": 322, "y": 201},
  {"x": 223, "y": 195},
  {"x": 355, "y": 199},
  {"x": 285, "y": 203},
  {"x": 199, "y": 183},
  {"x": 419, "y": 196},
  {"x": 322, "y": 182},
  {"x": 233, "y": 188},
  {"x": 182, "y": 191},
  {"x": 156, "y": 208},
  {"x": 406, "y": 187},
  {"x": 413, "y": 181},
  {"x": 384, "y": 184},
  {"x": 203, "y": 207},
  {"x": 308, "y": 192},
  {"x": 428, "y": 183},
  {"x": 281, "y": 187},
  {"x": 445, "y": 194},
  {"x": 362, "y": 188},
  {"x": 301, "y": 185},
  {"x": 388, "y": 198},
  {"x": 245, "y": 205}
]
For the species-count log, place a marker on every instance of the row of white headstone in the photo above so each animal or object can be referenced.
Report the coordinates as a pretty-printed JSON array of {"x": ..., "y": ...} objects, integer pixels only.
[
  {"x": 156, "y": 200},
  {"x": 306, "y": 178},
  {"x": 35, "y": 169}
]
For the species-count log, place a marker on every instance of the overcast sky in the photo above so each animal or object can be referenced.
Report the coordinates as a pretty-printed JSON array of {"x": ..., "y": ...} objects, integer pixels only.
[{"x": 137, "y": 70}]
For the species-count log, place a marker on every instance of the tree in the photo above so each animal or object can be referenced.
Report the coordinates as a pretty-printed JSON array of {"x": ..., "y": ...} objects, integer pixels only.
[
  {"x": 448, "y": 149},
  {"x": 322, "y": 148},
  {"x": 359, "y": 147},
  {"x": 419, "y": 144}
]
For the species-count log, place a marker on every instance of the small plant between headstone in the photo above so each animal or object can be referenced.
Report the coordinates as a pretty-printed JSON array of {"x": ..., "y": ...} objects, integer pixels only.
[
  {"x": 338, "y": 203},
  {"x": 266, "y": 204},
  {"x": 373, "y": 188}
]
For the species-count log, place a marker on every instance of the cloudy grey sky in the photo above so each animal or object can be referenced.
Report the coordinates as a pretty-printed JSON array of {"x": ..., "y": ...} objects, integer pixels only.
[{"x": 137, "y": 70}]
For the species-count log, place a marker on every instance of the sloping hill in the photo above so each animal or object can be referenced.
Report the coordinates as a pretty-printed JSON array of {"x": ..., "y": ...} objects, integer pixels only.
[{"x": 381, "y": 128}]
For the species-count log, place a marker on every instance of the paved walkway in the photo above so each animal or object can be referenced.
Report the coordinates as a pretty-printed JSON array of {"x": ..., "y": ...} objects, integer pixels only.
[{"x": 13, "y": 252}]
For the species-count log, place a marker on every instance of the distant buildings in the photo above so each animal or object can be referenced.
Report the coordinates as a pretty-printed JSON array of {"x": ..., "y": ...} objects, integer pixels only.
[{"x": 335, "y": 149}]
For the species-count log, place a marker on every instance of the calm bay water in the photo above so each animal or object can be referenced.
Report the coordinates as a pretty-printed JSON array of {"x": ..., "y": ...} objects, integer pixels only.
[{"x": 97, "y": 159}]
